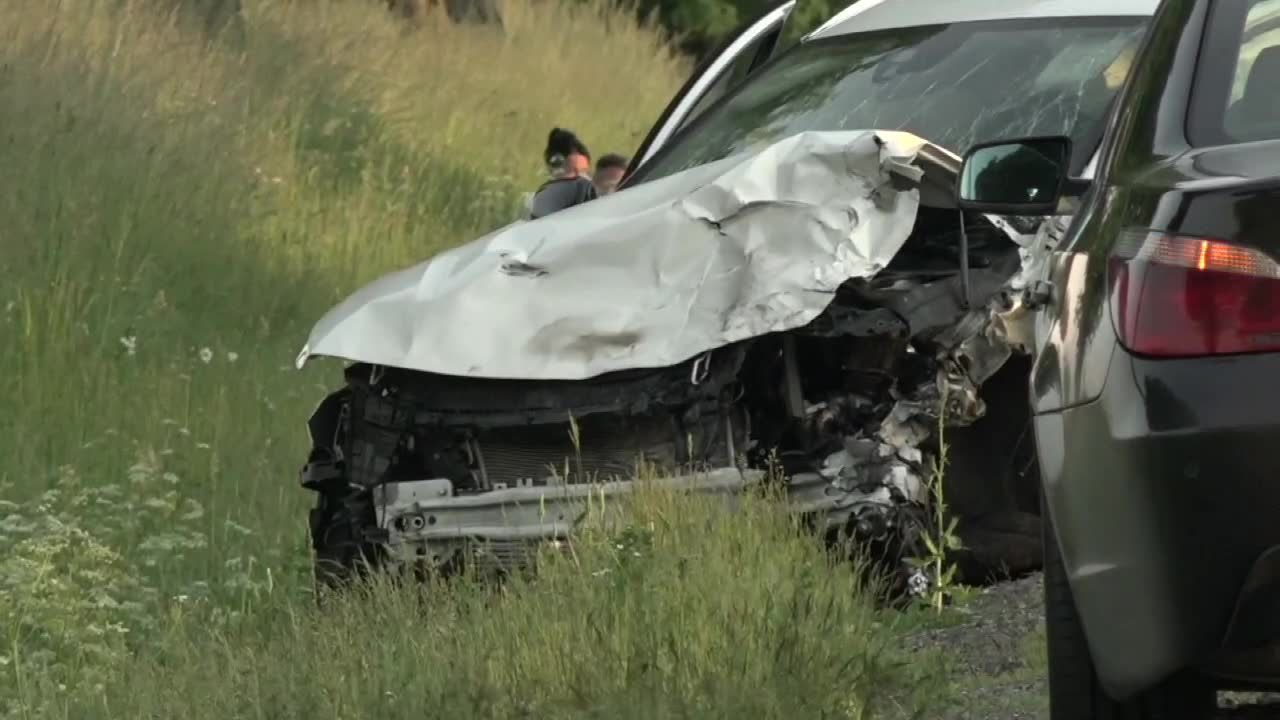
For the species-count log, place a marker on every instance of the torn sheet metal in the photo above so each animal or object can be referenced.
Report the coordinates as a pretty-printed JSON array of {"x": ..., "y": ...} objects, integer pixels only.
[
  {"x": 874, "y": 482},
  {"x": 881, "y": 476},
  {"x": 652, "y": 276}
]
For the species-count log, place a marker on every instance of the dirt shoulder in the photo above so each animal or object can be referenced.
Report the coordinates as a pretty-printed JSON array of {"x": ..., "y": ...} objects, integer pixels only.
[{"x": 992, "y": 643}]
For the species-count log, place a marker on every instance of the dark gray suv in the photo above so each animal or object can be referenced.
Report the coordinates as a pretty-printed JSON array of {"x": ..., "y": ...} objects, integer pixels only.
[{"x": 1153, "y": 385}]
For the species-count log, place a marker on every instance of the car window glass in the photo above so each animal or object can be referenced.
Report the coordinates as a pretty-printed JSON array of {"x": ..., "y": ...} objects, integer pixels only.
[
  {"x": 955, "y": 85},
  {"x": 1261, "y": 31},
  {"x": 732, "y": 75},
  {"x": 1253, "y": 107}
]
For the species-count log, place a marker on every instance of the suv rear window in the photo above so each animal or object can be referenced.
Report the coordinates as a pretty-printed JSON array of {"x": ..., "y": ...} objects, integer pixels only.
[{"x": 1236, "y": 98}]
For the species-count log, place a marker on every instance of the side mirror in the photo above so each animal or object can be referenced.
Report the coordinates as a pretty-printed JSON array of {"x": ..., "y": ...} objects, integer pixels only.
[{"x": 1017, "y": 177}]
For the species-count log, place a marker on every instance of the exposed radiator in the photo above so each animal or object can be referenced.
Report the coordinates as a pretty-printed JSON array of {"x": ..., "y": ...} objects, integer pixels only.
[{"x": 609, "y": 447}]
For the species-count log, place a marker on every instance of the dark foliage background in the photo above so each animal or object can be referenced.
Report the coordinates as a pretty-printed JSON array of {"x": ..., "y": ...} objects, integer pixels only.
[{"x": 700, "y": 25}]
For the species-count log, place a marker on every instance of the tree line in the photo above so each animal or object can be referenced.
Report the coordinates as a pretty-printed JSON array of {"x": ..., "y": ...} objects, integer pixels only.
[
  {"x": 696, "y": 26},
  {"x": 701, "y": 25}
]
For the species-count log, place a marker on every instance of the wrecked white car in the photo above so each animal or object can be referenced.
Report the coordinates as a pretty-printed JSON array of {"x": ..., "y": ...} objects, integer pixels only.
[{"x": 784, "y": 282}]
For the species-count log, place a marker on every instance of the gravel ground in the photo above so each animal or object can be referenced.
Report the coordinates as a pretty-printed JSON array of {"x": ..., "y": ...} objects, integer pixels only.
[{"x": 994, "y": 645}]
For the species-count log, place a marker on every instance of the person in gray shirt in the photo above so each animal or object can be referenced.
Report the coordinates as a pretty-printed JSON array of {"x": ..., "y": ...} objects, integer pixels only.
[{"x": 569, "y": 163}]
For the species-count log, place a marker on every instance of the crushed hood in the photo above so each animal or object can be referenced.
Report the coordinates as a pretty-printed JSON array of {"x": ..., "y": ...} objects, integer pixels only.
[{"x": 654, "y": 275}]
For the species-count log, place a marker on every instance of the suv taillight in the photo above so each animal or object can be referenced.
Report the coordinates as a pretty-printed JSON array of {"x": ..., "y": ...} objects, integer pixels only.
[{"x": 1178, "y": 296}]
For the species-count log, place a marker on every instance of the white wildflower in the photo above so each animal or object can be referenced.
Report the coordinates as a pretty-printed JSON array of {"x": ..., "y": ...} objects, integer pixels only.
[
  {"x": 5, "y": 660},
  {"x": 184, "y": 431},
  {"x": 95, "y": 577},
  {"x": 43, "y": 656},
  {"x": 157, "y": 544},
  {"x": 233, "y": 356},
  {"x": 203, "y": 445},
  {"x": 168, "y": 421},
  {"x": 14, "y": 524},
  {"x": 171, "y": 478},
  {"x": 130, "y": 343},
  {"x": 206, "y": 355},
  {"x": 233, "y": 525},
  {"x": 918, "y": 584}
]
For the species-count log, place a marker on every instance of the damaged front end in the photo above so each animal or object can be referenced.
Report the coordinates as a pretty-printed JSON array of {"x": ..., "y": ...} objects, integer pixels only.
[{"x": 839, "y": 395}]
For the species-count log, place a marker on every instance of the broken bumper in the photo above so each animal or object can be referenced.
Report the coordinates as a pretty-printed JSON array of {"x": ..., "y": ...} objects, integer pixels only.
[{"x": 425, "y": 520}]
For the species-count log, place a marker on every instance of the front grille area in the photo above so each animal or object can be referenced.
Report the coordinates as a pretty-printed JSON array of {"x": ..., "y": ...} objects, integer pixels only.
[
  {"x": 510, "y": 459},
  {"x": 609, "y": 447},
  {"x": 502, "y": 556},
  {"x": 396, "y": 431}
]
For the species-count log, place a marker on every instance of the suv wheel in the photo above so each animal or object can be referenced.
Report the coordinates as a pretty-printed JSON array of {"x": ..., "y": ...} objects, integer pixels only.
[{"x": 1075, "y": 693}]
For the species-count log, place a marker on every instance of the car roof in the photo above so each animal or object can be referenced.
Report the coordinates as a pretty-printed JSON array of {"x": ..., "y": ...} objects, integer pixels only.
[{"x": 869, "y": 15}]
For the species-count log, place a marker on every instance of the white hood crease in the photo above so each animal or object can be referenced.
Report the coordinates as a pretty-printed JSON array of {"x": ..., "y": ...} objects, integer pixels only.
[{"x": 647, "y": 277}]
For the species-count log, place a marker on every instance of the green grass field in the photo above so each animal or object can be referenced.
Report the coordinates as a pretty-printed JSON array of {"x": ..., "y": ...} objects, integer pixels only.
[{"x": 173, "y": 218}]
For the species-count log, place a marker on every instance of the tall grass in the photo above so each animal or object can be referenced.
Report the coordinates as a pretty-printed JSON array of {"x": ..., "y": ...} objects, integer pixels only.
[
  {"x": 173, "y": 217},
  {"x": 682, "y": 609}
]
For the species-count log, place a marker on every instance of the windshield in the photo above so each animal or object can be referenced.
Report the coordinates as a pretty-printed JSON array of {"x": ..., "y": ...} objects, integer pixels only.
[{"x": 954, "y": 85}]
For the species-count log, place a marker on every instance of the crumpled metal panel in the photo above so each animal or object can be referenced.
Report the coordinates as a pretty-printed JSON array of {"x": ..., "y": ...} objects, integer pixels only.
[{"x": 651, "y": 276}]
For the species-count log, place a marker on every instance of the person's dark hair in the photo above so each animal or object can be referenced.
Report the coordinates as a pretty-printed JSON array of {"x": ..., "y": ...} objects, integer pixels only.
[
  {"x": 612, "y": 160},
  {"x": 561, "y": 144}
]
